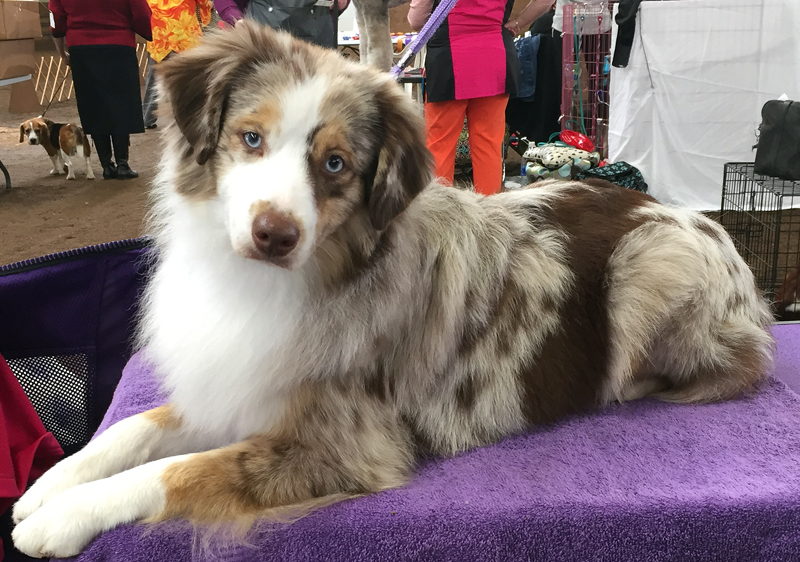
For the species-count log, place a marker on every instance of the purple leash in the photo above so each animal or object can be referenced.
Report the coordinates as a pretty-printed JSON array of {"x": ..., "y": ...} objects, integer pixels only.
[{"x": 430, "y": 27}]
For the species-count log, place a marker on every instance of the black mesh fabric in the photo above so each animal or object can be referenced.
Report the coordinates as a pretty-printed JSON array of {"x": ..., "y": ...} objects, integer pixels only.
[
  {"x": 60, "y": 389},
  {"x": 66, "y": 327}
]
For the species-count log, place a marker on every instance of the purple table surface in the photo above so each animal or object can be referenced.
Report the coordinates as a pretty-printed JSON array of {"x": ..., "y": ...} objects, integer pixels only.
[{"x": 644, "y": 482}]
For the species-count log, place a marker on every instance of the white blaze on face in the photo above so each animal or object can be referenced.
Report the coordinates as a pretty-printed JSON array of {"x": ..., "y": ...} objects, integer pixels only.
[
  {"x": 281, "y": 178},
  {"x": 33, "y": 138}
]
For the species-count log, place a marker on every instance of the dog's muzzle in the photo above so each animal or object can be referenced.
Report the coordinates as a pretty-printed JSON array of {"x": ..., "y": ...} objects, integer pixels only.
[
  {"x": 33, "y": 141},
  {"x": 275, "y": 235}
]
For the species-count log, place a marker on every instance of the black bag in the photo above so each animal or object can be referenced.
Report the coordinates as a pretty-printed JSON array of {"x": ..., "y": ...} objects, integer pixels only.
[
  {"x": 620, "y": 173},
  {"x": 778, "y": 148}
]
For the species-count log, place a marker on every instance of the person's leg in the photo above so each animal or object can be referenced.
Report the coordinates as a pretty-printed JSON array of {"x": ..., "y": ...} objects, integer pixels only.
[
  {"x": 486, "y": 123},
  {"x": 443, "y": 123},
  {"x": 102, "y": 144},
  {"x": 121, "y": 144},
  {"x": 150, "y": 102}
]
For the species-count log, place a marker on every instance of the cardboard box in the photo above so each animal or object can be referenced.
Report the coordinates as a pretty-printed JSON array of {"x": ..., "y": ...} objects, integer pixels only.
[
  {"x": 17, "y": 59},
  {"x": 19, "y": 20},
  {"x": 398, "y": 19}
]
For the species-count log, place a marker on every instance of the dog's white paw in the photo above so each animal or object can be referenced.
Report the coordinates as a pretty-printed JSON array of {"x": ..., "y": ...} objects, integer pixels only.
[
  {"x": 26, "y": 505},
  {"x": 66, "y": 523},
  {"x": 61, "y": 528},
  {"x": 90, "y": 175},
  {"x": 70, "y": 176},
  {"x": 55, "y": 172},
  {"x": 59, "y": 478}
]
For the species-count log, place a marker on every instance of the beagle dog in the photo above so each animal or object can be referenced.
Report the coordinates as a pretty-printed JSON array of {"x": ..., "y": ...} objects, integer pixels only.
[{"x": 61, "y": 141}]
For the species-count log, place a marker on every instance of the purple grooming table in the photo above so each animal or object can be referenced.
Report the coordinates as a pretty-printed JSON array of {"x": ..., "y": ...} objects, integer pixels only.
[{"x": 640, "y": 482}]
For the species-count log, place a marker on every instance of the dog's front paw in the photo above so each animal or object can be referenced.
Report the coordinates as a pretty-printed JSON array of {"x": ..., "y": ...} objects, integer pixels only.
[
  {"x": 69, "y": 521},
  {"x": 59, "y": 529},
  {"x": 55, "y": 172},
  {"x": 59, "y": 478},
  {"x": 26, "y": 505}
]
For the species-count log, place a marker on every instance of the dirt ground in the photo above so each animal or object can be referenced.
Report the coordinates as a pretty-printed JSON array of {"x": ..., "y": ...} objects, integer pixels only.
[{"x": 42, "y": 214}]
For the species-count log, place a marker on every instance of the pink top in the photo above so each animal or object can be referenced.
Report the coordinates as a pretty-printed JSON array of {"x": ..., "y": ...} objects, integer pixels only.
[{"x": 475, "y": 37}]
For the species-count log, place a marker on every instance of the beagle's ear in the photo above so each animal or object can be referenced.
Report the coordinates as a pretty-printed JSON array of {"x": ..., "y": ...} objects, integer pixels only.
[
  {"x": 404, "y": 164},
  {"x": 196, "y": 84},
  {"x": 22, "y": 133}
]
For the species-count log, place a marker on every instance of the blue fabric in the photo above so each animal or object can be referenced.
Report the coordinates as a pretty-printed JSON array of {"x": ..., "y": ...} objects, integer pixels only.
[{"x": 527, "y": 51}]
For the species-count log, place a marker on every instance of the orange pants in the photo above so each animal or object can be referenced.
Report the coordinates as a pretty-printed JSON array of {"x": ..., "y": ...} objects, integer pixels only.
[{"x": 486, "y": 124}]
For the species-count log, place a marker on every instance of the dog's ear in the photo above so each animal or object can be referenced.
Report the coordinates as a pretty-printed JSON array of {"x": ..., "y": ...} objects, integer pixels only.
[
  {"x": 197, "y": 83},
  {"x": 22, "y": 133},
  {"x": 49, "y": 124},
  {"x": 403, "y": 166},
  {"x": 195, "y": 86}
]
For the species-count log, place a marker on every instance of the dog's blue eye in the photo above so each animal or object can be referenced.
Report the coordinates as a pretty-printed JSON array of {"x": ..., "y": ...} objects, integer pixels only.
[
  {"x": 334, "y": 164},
  {"x": 253, "y": 140}
]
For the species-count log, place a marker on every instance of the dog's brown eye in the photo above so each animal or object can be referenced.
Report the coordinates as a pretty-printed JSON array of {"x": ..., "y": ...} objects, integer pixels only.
[
  {"x": 335, "y": 164},
  {"x": 251, "y": 139}
]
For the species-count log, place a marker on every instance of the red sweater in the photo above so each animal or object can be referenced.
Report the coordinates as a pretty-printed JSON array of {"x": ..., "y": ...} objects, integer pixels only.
[
  {"x": 27, "y": 449},
  {"x": 100, "y": 22}
]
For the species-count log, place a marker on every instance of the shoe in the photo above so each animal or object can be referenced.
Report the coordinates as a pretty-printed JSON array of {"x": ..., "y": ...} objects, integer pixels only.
[
  {"x": 121, "y": 144},
  {"x": 110, "y": 172},
  {"x": 124, "y": 171},
  {"x": 102, "y": 146}
]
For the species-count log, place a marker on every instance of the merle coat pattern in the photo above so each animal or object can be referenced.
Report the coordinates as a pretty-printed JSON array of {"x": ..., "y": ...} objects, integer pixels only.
[{"x": 323, "y": 312}]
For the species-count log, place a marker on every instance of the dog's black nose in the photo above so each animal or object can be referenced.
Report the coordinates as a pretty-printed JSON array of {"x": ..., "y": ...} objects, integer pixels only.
[{"x": 275, "y": 234}]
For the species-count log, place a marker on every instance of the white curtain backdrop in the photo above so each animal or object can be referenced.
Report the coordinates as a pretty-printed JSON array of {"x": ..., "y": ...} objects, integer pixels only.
[{"x": 690, "y": 100}]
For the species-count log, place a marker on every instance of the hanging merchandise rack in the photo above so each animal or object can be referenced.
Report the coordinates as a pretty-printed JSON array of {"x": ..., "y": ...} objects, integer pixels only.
[{"x": 586, "y": 66}]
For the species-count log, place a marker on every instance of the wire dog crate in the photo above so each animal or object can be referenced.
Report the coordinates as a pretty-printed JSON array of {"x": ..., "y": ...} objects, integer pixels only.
[
  {"x": 586, "y": 66},
  {"x": 760, "y": 215}
]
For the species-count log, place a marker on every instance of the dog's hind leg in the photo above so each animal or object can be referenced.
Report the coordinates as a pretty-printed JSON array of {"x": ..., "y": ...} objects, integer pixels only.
[
  {"x": 380, "y": 43},
  {"x": 729, "y": 362},
  {"x": 364, "y": 45},
  {"x": 128, "y": 443},
  {"x": 713, "y": 353},
  {"x": 68, "y": 162},
  {"x": 685, "y": 312},
  {"x": 374, "y": 16},
  {"x": 87, "y": 153}
]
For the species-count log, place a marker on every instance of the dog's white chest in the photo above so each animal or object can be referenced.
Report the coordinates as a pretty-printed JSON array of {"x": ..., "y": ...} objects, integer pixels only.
[{"x": 219, "y": 335}]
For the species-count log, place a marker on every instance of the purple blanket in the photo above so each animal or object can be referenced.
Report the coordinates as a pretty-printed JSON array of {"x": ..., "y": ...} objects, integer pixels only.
[{"x": 640, "y": 482}]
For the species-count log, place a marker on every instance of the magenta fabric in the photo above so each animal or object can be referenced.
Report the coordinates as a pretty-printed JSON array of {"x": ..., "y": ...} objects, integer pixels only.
[
  {"x": 230, "y": 10},
  {"x": 644, "y": 481},
  {"x": 476, "y": 44}
]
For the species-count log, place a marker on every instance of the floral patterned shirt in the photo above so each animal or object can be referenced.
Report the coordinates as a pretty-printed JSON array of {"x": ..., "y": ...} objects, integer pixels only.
[{"x": 175, "y": 25}]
